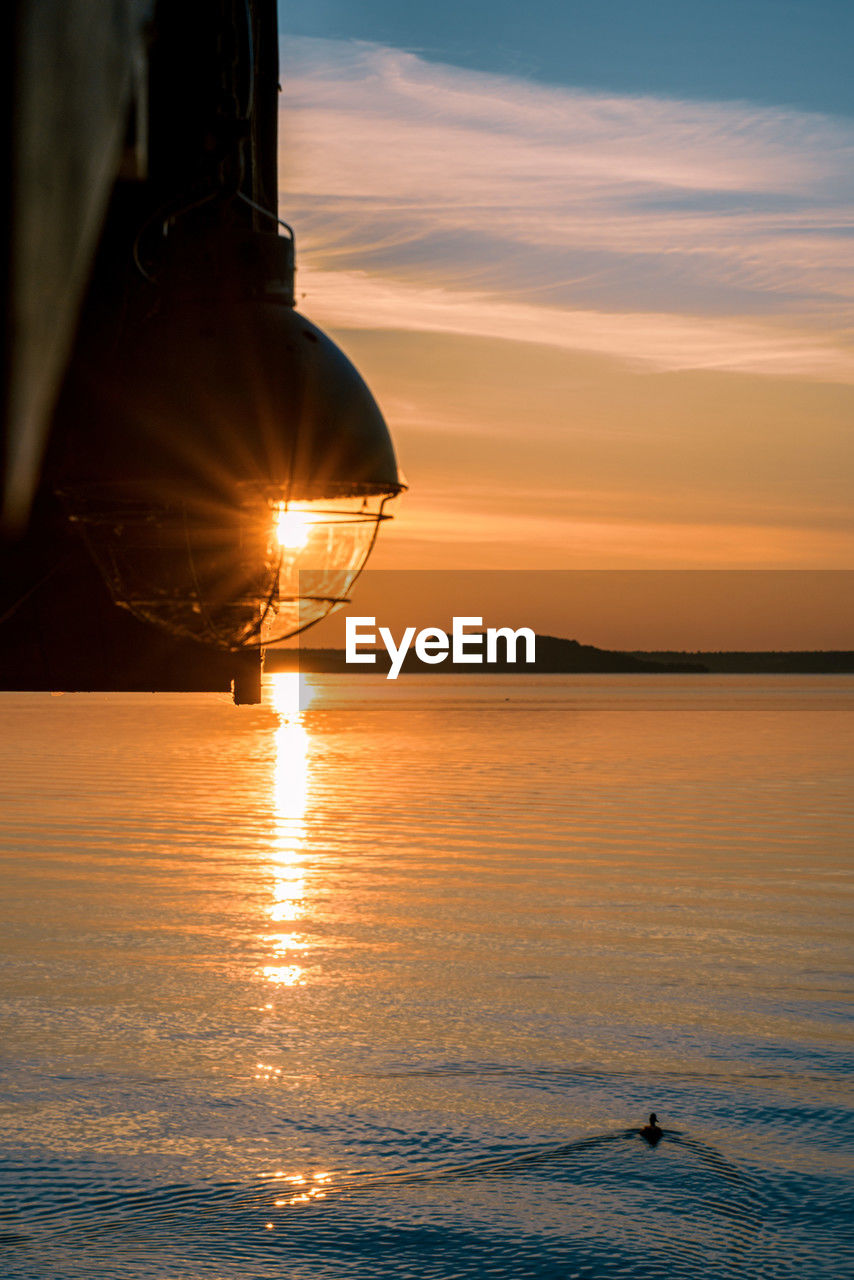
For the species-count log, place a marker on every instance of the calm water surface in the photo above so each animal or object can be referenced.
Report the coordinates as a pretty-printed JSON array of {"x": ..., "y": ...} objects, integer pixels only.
[{"x": 383, "y": 986}]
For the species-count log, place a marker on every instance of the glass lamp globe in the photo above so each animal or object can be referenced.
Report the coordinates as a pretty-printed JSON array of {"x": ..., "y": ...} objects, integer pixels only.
[{"x": 225, "y": 462}]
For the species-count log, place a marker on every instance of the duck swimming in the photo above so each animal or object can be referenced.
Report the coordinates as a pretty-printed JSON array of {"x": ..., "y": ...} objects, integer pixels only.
[{"x": 651, "y": 1132}]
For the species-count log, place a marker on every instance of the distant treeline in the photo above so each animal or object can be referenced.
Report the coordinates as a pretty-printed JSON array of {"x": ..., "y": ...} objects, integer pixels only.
[
  {"x": 556, "y": 656},
  {"x": 746, "y": 662}
]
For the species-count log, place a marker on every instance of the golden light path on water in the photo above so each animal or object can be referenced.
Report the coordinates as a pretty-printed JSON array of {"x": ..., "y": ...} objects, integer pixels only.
[
  {"x": 289, "y": 855},
  {"x": 289, "y": 696},
  {"x": 517, "y": 915}
]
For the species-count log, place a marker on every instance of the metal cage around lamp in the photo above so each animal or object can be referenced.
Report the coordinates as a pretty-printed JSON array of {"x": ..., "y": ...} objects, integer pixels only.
[{"x": 256, "y": 465}]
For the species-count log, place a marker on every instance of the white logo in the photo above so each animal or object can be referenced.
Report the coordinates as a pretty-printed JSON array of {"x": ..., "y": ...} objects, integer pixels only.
[{"x": 432, "y": 645}]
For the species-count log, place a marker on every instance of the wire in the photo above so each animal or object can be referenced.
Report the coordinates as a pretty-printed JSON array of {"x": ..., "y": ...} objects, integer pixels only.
[
  {"x": 22, "y": 600},
  {"x": 167, "y": 213},
  {"x": 250, "y": 50},
  {"x": 181, "y": 204},
  {"x": 174, "y": 209},
  {"x": 274, "y": 217}
]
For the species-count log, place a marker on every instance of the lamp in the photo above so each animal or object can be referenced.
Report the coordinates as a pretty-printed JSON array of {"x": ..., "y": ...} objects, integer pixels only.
[
  {"x": 235, "y": 468},
  {"x": 223, "y": 459}
]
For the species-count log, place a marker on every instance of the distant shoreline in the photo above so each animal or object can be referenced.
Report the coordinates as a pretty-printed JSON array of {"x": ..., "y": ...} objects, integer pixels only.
[{"x": 557, "y": 656}]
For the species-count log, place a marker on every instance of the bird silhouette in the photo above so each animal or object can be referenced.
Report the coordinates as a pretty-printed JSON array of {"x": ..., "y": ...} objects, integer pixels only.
[{"x": 651, "y": 1132}]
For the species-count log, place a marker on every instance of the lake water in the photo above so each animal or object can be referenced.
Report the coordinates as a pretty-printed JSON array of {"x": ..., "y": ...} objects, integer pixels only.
[{"x": 384, "y": 986}]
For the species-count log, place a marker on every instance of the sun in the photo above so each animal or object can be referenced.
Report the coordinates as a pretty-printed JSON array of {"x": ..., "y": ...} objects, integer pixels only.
[{"x": 293, "y": 526}]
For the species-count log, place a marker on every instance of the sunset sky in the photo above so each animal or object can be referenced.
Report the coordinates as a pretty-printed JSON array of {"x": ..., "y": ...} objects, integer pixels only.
[{"x": 595, "y": 262}]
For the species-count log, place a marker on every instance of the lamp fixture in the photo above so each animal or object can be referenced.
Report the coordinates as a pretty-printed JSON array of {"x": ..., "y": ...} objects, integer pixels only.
[
  {"x": 226, "y": 464},
  {"x": 257, "y": 464}
]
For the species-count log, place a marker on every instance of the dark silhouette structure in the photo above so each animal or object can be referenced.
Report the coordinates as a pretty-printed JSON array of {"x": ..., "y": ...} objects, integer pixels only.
[{"x": 149, "y": 340}]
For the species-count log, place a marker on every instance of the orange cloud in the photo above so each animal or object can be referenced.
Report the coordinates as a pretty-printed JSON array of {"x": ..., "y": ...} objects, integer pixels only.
[
  {"x": 355, "y": 299},
  {"x": 606, "y": 330}
]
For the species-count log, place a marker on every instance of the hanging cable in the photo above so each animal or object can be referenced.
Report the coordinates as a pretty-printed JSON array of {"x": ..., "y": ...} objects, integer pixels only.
[
  {"x": 235, "y": 115},
  {"x": 250, "y": 63},
  {"x": 268, "y": 213}
]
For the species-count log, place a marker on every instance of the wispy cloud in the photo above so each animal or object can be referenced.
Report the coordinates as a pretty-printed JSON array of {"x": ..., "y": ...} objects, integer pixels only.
[
  {"x": 613, "y": 542},
  {"x": 682, "y": 234},
  {"x": 666, "y": 341}
]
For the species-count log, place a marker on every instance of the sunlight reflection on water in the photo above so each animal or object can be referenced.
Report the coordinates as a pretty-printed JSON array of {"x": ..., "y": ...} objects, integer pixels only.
[
  {"x": 446, "y": 948},
  {"x": 289, "y": 856}
]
